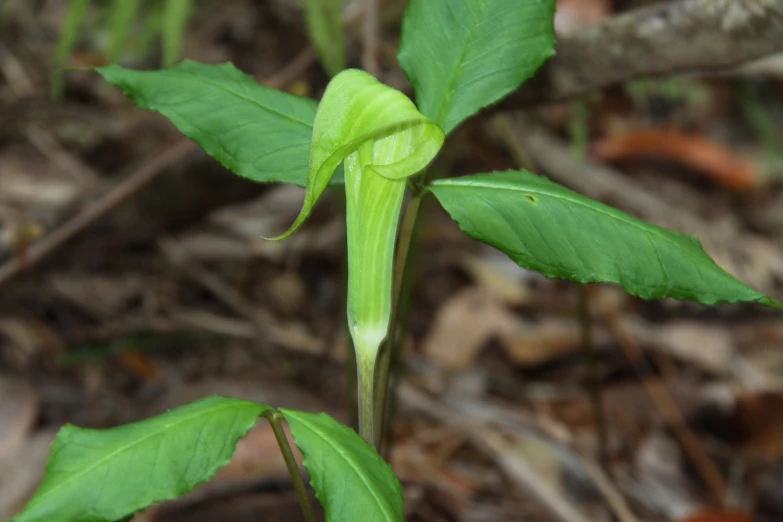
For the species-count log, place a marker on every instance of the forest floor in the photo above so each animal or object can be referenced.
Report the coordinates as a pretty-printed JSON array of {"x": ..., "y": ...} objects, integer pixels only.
[{"x": 133, "y": 278}]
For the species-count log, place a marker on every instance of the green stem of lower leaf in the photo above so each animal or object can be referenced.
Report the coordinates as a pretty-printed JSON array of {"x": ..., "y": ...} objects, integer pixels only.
[{"x": 275, "y": 418}]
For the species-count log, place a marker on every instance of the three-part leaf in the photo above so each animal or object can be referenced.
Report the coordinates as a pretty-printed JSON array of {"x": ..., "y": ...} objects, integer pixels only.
[
  {"x": 546, "y": 227},
  {"x": 352, "y": 482},
  {"x": 260, "y": 133},
  {"x": 105, "y": 475},
  {"x": 462, "y": 55}
]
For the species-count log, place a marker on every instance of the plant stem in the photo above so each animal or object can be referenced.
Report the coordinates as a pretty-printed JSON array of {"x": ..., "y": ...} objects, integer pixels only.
[
  {"x": 578, "y": 129},
  {"x": 384, "y": 366},
  {"x": 274, "y": 418},
  {"x": 593, "y": 376},
  {"x": 365, "y": 369},
  {"x": 389, "y": 347},
  {"x": 580, "y": 137}
]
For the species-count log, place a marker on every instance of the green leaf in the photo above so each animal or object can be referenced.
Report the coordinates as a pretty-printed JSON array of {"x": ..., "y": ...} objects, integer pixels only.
[
  {"x": 254, "y": 131},
  {"x": 175, "y": 20},
  {"x": 352, "y": 482},
  {"x": 546, "y": 227},
  {"x": 324, "y": 25},
  {"x": 105, "y": 475},
  {"x": 462, "y": 55}
]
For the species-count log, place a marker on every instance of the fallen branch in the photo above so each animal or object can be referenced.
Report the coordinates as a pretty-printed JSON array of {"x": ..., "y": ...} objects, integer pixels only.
[
  {"x": 130, "y": 186},
  {"x": 91, "y": 213},
  {"x": 685, "y": 36}
]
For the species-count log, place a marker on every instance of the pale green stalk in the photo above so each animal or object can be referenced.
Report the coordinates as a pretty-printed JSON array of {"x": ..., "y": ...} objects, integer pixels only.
[
  {"x": 373, "y": 210},
  {"x": 383, "y": 140}
]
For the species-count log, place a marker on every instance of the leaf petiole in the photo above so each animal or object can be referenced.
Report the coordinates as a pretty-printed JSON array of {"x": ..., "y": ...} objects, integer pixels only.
[{"x": 274, "y": 417}]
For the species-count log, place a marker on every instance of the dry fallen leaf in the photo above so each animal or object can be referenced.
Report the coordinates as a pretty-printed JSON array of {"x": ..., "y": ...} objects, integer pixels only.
[
  {"x": 21, "y": 472},
  {"x": 100, "y": 295},
  {"x": 18, "y": 412},
  {"x": 760, "y": 419},
  {"x": 724, "y": 166},
  {"x": 662, "y": 481},
  {"x": 139, "y": 365},
  {"x": 751, "y": 422},
  {"x": 463, "y": 325},
  {"x": 289, "y": 293},
  {"x": 546, "y": 340},
  {"x": 26, "y": 340},
  {"x": 503, "y": 285},
  {"x": 710, "y": 347}
]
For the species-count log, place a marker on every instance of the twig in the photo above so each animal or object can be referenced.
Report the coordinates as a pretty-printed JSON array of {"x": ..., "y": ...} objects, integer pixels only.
[
  {"x": 50, "y": 147},
  {"x": 19, "y": 83},
  {"x": 111, "y": 199},
  {"x": 469, "y": 417},
  {"x": 293, "y": 70},
  {"x": 370, "y": 30},
  {"x": 684, "y": 36},
  {"x": 514, "y": 466},
  {"x": 517, "y": 469},
  {"x": 669, "y": 411},
  {"x": 231, "y": 297},
  {"x": 611, "y": 494}
]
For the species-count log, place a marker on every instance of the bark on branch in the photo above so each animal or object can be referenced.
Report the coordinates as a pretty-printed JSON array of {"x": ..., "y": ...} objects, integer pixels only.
[{"x": 683, "y": 36}]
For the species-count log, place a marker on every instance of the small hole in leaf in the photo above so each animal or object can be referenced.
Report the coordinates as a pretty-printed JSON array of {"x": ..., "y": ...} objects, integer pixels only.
[{"x": 531, "y": 198}]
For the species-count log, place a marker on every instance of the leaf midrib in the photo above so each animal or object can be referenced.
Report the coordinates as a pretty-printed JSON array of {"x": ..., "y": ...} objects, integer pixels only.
[
  {"x": 218, "y": 84},
  {"x": 251, "y": 100},
  {"x": 458, "y": 70},
  {"x": 619, "y": 216},
  {"x": 133, "y": 444},
  {"x": 538, "y": 191},
  {"x": 352, "y": 465}
]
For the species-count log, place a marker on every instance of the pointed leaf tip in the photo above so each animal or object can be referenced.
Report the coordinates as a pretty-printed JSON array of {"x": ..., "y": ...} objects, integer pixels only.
[
  {"x": 106, "y": 475},
  {"x": 463, "y": 55},
  {"x": 258, "y": 133},
  {"x": 338, "y": 461},
  {"x": 357, "y": 110},
  {"x": 546, "y": 227}
]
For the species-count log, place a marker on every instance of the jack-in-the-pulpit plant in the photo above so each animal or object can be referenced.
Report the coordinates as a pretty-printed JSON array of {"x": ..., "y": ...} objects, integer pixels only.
[
  {"x": 460, "y": 56},
  {"x": 383, "y": 140}
]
